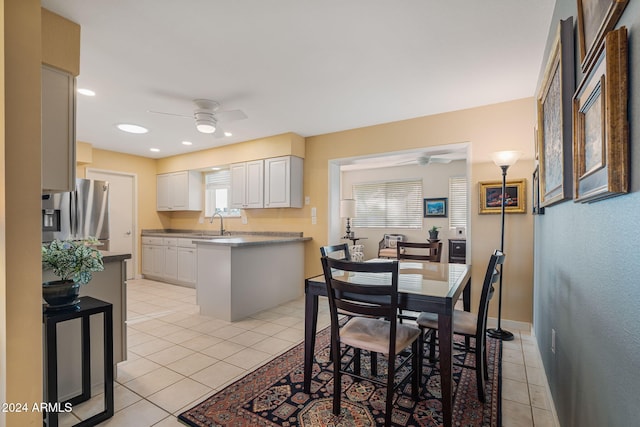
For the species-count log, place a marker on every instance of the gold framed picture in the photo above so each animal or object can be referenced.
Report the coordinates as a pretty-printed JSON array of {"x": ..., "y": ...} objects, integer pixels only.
[
  {"x": 491, "y": 196},
  {"x": 555, "y": 132},
  {"x": 595, "y": 19},
  {"x": 601, "y": 136}
]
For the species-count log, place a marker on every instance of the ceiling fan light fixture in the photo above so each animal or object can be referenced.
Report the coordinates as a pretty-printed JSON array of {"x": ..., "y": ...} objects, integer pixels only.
[{"x": 205, "y": 122}]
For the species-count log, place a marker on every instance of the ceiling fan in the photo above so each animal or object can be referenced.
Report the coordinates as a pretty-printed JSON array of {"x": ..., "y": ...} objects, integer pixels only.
[
  {"x": 427, "y": 160},
  {"x": 207, "y": 114}
]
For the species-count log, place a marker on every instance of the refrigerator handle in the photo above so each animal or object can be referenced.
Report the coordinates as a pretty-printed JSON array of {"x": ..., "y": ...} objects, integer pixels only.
[{"x": 73, "y": 213}]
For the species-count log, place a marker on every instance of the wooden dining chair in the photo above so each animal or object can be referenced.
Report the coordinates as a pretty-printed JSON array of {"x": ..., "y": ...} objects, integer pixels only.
[
  {"x": 427, "y": 251},
  {"x": 370, "y": 291},
  {"x": 339, "y": 251},
  {"x": 472, "y": 325}
]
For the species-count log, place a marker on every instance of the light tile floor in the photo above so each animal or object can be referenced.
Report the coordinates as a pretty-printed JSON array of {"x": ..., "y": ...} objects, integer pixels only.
[{"x": 177, "y": 358}]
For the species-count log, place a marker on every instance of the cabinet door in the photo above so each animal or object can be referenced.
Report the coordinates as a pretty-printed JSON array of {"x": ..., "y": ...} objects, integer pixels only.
[
  {"x": 147, "y": 260},
  {"x": 179, "y": 191},
  {"x": 238, "y": 184},
  {"x": 163, "y": 183},
  {"x": 277, "y": 182},
  {"x": 187, "y": 266},
  {"x": 158, "y": 261},
  {"x": 255, "y": 184},
  {"x": 171, "y": 262},
  {"x": 58, "y": 130}
]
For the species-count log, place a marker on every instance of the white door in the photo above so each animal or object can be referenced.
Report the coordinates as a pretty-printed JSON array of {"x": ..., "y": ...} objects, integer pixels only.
[{"x": 122, "y": 214}]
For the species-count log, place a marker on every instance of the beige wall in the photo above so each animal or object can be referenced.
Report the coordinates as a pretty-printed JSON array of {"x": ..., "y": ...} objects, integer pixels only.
[{"x": 20, "y": 280}]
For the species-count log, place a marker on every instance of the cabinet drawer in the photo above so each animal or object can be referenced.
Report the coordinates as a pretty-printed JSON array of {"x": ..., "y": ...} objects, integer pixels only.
[
  {"x": 152, "y": 240},
  {"x": 186, "y": 243},
  {"x": 458, "y": 249},
  {"x": 170, "y": 241}
]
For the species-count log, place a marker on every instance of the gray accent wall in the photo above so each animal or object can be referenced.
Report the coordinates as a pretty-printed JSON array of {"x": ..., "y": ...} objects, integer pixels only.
[{"x": 587, "y": 281}]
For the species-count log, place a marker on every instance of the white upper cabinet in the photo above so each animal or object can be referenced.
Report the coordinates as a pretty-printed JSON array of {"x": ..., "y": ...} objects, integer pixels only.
[
  {"x": 58, "y": 130},
  {"x": 179, "y": 191},
  {"x": 283, "y": 182},
  {"x": 247, "y": 185}
]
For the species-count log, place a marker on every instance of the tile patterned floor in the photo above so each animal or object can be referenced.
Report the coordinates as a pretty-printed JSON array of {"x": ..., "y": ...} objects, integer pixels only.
[{"x": 176, "y": 358}]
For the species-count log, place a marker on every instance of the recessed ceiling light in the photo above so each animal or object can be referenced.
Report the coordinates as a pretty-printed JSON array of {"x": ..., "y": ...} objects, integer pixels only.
[
  {"x": 215, "y": 169},
  {"x": 155, "y": 150},
  {"x": 86, "y": 92},
  {"x": 125, "y": 127},
  {"x": 187, "y": 143},
  {"x": 228, "y": 134}
]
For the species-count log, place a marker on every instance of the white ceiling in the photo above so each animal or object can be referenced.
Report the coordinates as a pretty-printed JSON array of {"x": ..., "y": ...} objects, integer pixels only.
[{"x": 303, "y": 66}]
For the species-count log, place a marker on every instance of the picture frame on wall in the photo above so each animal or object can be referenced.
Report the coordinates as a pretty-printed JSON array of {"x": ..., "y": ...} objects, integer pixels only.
[
  {"x": 555, "y": 132},
  {"x": 601, "y": 140},
  {"x": 535, "y": 200},
  {"x": 436, "y": 207},
  {"x": 595, "y": 19},
  {"x": 491, "y": 196}
]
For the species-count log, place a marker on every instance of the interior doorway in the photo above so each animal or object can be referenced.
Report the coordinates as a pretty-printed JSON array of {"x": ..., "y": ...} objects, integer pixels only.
[{"x": 122, "y": 214}]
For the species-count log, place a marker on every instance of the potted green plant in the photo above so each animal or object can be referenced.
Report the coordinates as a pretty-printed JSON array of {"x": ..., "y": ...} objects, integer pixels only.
[
  {"x": 73, "y": 261},
  {"x": 433, "y": 233}
]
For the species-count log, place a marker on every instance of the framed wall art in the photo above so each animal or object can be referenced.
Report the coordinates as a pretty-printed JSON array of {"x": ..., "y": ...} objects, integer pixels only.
[
  {"x": 491, "y": 196},
  {"x": 535, "y": 200},
  {"x": 555, "y": 135},
  {"x": 595, "y": 19},
  {"x": 435, "y": 207},
  {"x": 601, "y": 140}
]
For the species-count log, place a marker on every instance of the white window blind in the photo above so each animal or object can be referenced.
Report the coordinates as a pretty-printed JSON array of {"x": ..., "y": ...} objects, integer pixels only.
[
  {"x": 217, "y": 185},
  {"x": 396, "y": 204},
  {"x": 458, "y": 201}
]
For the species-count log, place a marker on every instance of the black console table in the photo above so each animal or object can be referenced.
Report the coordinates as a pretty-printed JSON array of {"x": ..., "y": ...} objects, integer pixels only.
[{"x": 88, "y": 306}]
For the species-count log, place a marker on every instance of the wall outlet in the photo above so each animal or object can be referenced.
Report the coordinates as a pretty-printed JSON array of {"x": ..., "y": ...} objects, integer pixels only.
[
  {"x": 314, "y": 220},
  {"x": 553, "y": 341},
  {"x": 314, "y": 212},
  {"x": 307, "y": 200},
  {"x": 244, "y": 220}
]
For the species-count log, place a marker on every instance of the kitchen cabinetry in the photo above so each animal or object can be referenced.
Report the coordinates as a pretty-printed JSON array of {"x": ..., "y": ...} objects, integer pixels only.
[
  {"x": 169, "y": 260},
  {"x": 247, "y": 185},
  {"x": 179, "y": 191},
  {"x": 187, "y": 264},
  {"x": 58, "y": 130},
  {"x": 457, "y": 251},
  {"x": 283, "y": 182},
  {"x": 268, "y": 183}
]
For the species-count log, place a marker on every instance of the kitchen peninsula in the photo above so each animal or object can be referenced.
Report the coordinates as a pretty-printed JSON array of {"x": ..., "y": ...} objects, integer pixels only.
[{"x": 241, "y": 274}]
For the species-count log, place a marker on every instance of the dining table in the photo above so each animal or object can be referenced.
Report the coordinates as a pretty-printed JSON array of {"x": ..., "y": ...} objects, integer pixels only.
[{"x": 422, "y": 286}]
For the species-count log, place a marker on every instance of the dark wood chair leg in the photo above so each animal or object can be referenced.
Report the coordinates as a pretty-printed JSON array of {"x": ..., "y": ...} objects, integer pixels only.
[
  {"x": 337, "y": 380},
  {"x": 374, "y": 364},
  {"x": 417, "y": 367},
  {"x": 480, "y": 372},
  {"x": 432, "y": 346},
  {"x": 391, "y": 375},
  {"x": 356, "y": 361}
]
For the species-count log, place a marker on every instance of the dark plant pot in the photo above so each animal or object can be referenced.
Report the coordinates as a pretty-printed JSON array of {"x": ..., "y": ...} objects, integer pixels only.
[
  {"x": 61, "y": 294},
  {"x": 433, "y": 235}
]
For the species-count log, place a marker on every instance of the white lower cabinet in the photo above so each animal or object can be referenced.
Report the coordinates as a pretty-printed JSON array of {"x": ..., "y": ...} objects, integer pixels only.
[{"x": 169, "y": 260}]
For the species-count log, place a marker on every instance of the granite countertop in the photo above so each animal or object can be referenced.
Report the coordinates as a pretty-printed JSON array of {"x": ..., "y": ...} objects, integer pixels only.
[
  {"x": 109, "y": 256},
  {"x": 236, "y": 238}
]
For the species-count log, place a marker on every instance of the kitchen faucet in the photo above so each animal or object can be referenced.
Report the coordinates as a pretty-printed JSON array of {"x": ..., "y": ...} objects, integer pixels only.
[{"x": 221, "y": 222}]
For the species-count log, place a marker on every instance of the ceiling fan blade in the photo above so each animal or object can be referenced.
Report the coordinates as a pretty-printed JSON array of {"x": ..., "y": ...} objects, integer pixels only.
[
  {"x": 438, "y": 160},
  {"x": 169, "y": 114},
  {"x": 219, "y": 133},
  {"x": 231, "y": 115}
]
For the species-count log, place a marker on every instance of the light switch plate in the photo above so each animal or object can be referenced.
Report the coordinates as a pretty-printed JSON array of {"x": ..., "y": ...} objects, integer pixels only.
[{"x": 313, "y": 212}]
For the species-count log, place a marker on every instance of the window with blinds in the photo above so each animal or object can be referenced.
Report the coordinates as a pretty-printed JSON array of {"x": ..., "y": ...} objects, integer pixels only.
[
  {"x": 458, "y": 201},
  {"x": 395, "y": 204},
  {"x": 217, "y": 187}
]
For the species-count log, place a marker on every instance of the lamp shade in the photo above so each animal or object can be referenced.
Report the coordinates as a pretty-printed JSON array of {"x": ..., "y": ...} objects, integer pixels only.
[
  {"x": 347, "y": 208},
  {"x": 506, "y": 158}
]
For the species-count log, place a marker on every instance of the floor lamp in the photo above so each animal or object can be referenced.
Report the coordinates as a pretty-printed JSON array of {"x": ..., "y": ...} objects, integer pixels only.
[{"x": 503, "y": 159}]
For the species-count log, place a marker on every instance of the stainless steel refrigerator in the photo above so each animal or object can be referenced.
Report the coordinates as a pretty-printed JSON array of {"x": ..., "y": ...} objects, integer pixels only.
[{"x": 78, "y": 214}]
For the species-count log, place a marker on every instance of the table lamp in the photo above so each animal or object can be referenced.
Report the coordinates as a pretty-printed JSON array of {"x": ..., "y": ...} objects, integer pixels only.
[{"x": 348, "y": 211}]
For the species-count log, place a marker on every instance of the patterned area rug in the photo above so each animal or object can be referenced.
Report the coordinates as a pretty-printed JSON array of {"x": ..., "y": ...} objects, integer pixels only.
[{"x": 273, "y": 395}]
